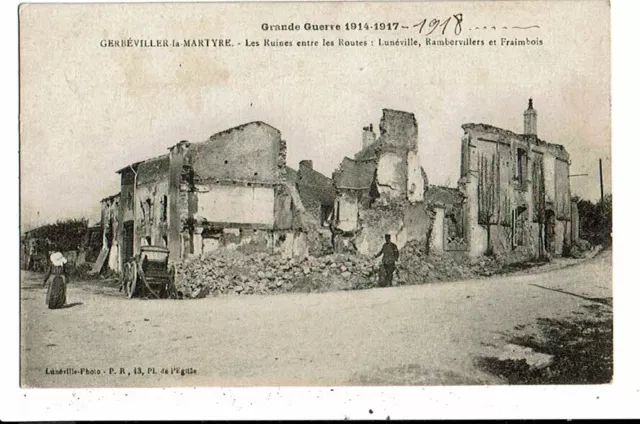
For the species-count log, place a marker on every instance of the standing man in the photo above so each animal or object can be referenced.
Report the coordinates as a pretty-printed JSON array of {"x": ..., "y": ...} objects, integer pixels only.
[{"x": 390, "y": 255}]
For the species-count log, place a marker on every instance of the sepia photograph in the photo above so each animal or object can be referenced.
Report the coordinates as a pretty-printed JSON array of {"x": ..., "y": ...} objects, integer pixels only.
[
  {"x": 315, "y": 194},
  {"x": 330, "y": 194}
]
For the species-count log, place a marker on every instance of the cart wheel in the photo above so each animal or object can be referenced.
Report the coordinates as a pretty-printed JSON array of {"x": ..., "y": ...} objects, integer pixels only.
[{"x": 133, "y": 279}]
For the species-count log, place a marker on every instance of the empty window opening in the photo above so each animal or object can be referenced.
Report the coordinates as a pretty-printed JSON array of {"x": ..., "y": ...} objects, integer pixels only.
[
  {"x": 163, "y": 209},
  {"x": 325, "y": 214},
  {"x": 521, "y": 165}
]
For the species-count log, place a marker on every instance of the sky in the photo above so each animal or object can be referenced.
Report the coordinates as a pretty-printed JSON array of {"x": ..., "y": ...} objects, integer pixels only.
[{"x": 87, "y": 111}]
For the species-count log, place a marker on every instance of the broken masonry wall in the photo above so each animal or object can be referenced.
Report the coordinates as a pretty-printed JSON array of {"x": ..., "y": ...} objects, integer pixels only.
[
  {"x": 346, "y": 211},
  {"x": 236, "y": 204},
  {"x": 235, "y": 187},
  {"x": 391, "y": 176},
  {"x": 125, "y": 215},
  {"x": 180, "y": 189},
  {"x": 562, "y": 190},
  {"x": 151, "y": 224},
  {"x": 315, "y": 190},
  {"x": 212, "y": 237},
  {"x": 283, "y": 208},
  {"x": 436, "y": 243},
  {"x": 126, "y": 195},
  {"x": 399, "y": 129},
  {"x": 404, "y": 222},
  {"x": 416, "y": 178},
  {"x": 549, "y": 170},
  {"x": 309, "y": 237},
  {"x": 319, "y": 242},
  {"x": 561, "y": 236},
  {"x": 244, "y": 240},
  {"x": 417, "y": 222},
  {"x": 398, "y": 171},
  {"x": 476, "y": 234},
  {"x": 374, "y": 224},
  {"x": 150, "y": 202},
  {"x": 446, "y": 207},
  {"x": 248, "y": 153},
  {"x": 291, "y": 244}
]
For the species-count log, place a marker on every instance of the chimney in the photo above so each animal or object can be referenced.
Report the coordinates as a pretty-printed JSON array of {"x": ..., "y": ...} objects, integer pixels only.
[
  {"x": 368, "y": 136},
  {"x": 530, "y": 120},
  {"x": 307, "y": 163}
]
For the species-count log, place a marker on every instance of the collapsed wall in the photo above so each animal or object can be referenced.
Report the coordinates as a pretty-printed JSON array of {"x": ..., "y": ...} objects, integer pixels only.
[{"x": 381, "y": 190}]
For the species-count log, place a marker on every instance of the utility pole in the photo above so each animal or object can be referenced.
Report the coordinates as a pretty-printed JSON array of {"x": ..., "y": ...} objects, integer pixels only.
[{"x": 601, "y": 185}]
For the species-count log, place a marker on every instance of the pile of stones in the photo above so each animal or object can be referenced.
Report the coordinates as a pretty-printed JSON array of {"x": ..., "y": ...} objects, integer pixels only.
[
  {"x": 236, "y": 273},
  {"x": 229, "y": 273}
]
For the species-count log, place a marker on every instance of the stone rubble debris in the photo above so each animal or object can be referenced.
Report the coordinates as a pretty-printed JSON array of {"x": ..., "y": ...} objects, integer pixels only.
[{"x": 236, "y": 273}]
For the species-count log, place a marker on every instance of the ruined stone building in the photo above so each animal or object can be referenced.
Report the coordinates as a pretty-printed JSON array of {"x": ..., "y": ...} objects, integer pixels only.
[
  {"x": 235, "y": 191},
  {"x": 231, "y": 191},
  {"x": 381, "y": 190},
  {"x": 516, "y": 191}
]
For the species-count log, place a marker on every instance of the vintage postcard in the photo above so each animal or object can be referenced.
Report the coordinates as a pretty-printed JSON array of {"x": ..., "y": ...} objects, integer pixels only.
[{"x": 315, "y": 194}]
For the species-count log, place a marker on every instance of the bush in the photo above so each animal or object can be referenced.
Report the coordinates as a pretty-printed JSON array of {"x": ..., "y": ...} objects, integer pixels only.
[
  {"x": 596, "y": 221},
  {"x": 62, "y": 236}
]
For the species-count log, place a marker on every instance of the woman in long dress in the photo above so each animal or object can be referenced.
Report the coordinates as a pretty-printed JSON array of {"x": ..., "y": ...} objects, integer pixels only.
[{"x": 57, "y": 280}]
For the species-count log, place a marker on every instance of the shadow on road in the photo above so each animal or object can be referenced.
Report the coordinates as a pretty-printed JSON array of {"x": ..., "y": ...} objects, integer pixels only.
[
  {"x": 602, "y": 300},
  {"x": 581, "y": 352},
  {"x": 71, "y": 305}
]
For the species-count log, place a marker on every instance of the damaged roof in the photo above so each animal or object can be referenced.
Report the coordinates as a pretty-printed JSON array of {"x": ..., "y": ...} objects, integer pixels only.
[
  {"x": 355, "y": 174},
  {"x": 558, "y": 149},
  {"x": 443, "y": 196},
  {"x": 369, "y": 152},
  {"x": 109, "y": 198},
  {"x": 312, "y": 183},
  {"x": 135, "y": 165},
  {"x": 292, "y": 175},
  {"x": 153, "y": 169},
  {"x": 243, "y": 126}
]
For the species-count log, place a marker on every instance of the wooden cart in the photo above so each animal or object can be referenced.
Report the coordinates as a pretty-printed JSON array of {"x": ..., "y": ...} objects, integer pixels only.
[{"x": 149, "y": 275}]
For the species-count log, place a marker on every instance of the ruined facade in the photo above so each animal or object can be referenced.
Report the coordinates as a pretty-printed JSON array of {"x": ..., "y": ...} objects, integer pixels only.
[
  {"x": 382, "y": 189},
  {"x": 317, "y": 196},
  {"x": 517, "y": 191},
  {"x": 231, "y": 191},
  {"x": 109, "y": 219},
  {"x": 446, "y": 206}
]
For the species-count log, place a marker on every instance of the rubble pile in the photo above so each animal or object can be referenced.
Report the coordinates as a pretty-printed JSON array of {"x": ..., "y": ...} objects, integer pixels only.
[
  {"x": 418, "y": 267},
  {"x": 229, "y": 273},
  {"x": 236, "y": 273}
]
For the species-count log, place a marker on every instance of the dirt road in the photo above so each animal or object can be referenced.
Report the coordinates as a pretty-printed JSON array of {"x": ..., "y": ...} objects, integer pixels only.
[{"x": 423, "y": 335}]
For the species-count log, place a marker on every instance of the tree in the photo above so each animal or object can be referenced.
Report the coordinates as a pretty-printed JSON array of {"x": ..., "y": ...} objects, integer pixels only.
[
  {"x": 62, "y": 236},
  {"x": 596, "y": 220},
  {"x": 488, "y": 192},
  {"x": 538, "y": 191}
]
